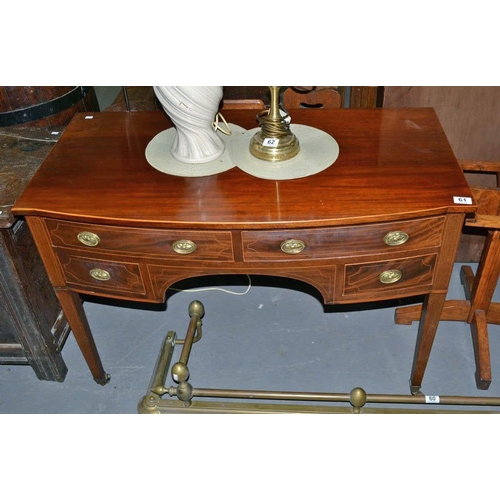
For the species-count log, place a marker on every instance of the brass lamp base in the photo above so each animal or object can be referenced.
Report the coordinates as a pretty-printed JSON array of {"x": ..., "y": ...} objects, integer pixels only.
[
  {"x": 287, "y": 147},
  {"x": 275, "y": 141}
]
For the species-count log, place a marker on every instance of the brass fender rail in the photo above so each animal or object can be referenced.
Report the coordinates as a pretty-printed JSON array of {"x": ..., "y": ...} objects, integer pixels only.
[{"x": 182, "y": 395}]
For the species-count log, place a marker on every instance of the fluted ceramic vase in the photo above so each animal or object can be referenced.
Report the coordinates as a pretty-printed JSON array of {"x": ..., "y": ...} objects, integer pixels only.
[{"x": 192, "y": 111}]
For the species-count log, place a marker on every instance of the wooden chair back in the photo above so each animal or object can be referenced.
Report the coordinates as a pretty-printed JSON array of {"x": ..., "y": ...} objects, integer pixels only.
[
  {"x": 311, "y": 98},
  {"x": 486, "y": 197}
]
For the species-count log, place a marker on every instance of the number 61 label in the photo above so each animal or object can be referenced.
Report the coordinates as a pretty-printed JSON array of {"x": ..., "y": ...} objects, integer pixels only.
[{"x": 462, "y": 200}]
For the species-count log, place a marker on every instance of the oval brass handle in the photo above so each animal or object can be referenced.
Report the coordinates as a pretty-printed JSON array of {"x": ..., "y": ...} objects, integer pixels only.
[
  {"x": 89, "y": 239},
  {"x": 391, "y": 276},
  {"x": 100, "y": 274},
  {"x": 293, "y": 246},
  {"x": 395, "y": 238},
  {"x": 184, "y": 247}
]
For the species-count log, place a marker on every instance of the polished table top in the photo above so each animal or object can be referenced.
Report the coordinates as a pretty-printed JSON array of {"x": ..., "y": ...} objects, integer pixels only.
[{"x": 394, "y": 164}]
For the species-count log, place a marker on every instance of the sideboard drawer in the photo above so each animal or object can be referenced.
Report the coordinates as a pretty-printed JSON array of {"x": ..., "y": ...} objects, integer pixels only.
[
  {"x": 185, "y": 244},
  {"x": 342, "y": 241},
  {"x": 102, "y": 276},
  {"x": 377, "y": 277}
]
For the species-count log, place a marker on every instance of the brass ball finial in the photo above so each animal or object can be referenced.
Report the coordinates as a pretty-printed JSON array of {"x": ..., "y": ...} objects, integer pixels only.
[
  {"x": 357, "y": 397},
  {"x": 196, "y": 307},
  {"x": 180, "y": 372}
]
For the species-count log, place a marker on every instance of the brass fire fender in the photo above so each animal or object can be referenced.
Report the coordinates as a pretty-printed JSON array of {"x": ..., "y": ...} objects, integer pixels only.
[{"x": 183, "y": 393}]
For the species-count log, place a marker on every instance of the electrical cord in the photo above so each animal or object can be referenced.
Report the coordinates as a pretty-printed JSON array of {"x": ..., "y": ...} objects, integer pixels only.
[{"x": 207, "y": 289}]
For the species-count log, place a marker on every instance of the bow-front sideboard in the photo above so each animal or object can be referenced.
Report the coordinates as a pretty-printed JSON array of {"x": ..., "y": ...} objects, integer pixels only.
[{"x": 383, "y": 222}]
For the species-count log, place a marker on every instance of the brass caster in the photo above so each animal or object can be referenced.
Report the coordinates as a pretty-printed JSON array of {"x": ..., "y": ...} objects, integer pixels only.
[
  {"x": 104, "y": 380},
  {"x": 415, "y": 390}
]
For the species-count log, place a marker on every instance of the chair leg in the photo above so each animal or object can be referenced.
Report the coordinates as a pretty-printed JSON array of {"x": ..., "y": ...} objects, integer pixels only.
[
  {"x": 481, "y": 344},
  {"x": 487, "y": 274}
]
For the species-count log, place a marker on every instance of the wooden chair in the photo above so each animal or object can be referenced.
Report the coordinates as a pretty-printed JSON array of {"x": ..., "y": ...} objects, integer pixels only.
[
  {"x": 477, "y": 309},
  {"x": 293, "y": 98},
  {"x": 311, "y": 98}
]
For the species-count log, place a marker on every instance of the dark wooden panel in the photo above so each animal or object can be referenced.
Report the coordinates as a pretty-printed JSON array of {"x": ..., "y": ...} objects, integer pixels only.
[
  {"x": 31, "y": 329},
  {"x": 29, "y": 307},
  {"x": 470, "y": 116}
]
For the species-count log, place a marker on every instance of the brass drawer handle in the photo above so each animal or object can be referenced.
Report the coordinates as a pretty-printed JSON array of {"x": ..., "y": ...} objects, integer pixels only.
[
  {"x": 184, "y": 247},
  {"x": 292, "y": 247},
  {"x": 88, "y": 239},
  {"x": 395, "y": 238},
  {"x": 391, "y": 276},
  {"x": 100, "y": 274}
]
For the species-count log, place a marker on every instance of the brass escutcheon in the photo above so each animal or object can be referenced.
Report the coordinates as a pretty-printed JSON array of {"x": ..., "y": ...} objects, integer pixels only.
[
  {"x": 89, "y": 239},
  {"x": 184, "y": 247},
  {"x": 391, "y": 276},
  {"x": 100, "y": 274},
  {"x": 293, "y": 246},
  {"x": 395, "y": 238}
]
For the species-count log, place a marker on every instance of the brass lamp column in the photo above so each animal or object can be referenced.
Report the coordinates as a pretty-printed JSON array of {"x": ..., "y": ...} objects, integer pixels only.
[{"x": 274, "y": 142}]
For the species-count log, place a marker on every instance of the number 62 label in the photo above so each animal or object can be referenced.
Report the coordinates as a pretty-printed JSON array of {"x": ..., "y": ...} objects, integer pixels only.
[{"x": 270, "y": 142}]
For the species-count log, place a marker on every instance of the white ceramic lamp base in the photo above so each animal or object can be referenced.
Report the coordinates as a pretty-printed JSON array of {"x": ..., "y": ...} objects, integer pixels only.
[{"x": 192, "y": 110}]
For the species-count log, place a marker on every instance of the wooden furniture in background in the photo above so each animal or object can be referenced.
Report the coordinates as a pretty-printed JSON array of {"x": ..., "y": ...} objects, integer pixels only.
[
  {"x": 352, "y": 97},
  {"x": 129, "y": 232},
  {"x": 323, "y": 97},
  {"x": 242, "y": 104},
  {"x": 477, "y": 308},
  {"x": 144, "y": 99},
  {"x": 135, "y": 99},
  {"x": 44, "y": 106},
  {"x": 32, "y": 328}
]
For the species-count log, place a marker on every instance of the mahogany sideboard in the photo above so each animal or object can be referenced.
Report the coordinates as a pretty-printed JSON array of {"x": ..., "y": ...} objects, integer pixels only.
[{"x": 382, "y": 222}]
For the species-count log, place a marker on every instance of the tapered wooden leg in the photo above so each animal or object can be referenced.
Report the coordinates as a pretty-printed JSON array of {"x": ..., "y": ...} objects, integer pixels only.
[
  {"x": 480, "y": 341},
  {"x": 431, "y": 314},
  {"x": 73, "y": 309},
  {"x": 481, "y": 290}
]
